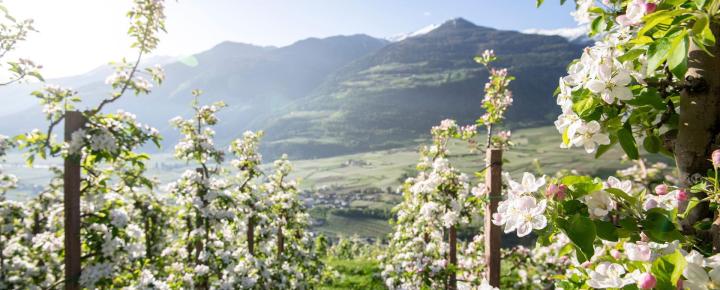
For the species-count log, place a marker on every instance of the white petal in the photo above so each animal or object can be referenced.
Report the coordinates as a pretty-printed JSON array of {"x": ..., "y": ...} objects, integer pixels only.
[
  {"x": 596, "y": 86},
  {"x": 621, "y": 79},
  {"x": 622, "y": 93},
  {"x": 539, "y": 222},
  {"x": 696, "y": 273},
  {"x": 590, "y": 147},
  {"x": 524, "y": 229},
  {"x": 601, "y": 139}
]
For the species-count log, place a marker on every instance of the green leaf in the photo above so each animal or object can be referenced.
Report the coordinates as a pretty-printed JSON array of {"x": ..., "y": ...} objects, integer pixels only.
[
  {"x": 573, "y": 206},
  {"x": 678, "y": 55},
  {"x": 582, "y": 189},
  {"x": 581, "y": 231},
  {"x": 657, "y": 54},
  {"x": 539, "y": 2},
  {"x": 602, "y": 149},
  {"x": 659, "y": 226},
  {"x": 652, "y": 144},
  {"x": 628, "y": 228},
  {"x": 633, "y": 54},
  {"x": 606, "y": 230},
  {"x": 621, "y": 195},
  {"x": 648, "y": 97},
  {"x": 661, "y": 16},
  {"x": 598, "y": 25},
  {"x": 691, "y": 204},
  {"x": 586, "y": 106},
  {"x": 575, "y": 179},
  {"x": 667, "y": 270},
  {"x": 627, "y": 142}
]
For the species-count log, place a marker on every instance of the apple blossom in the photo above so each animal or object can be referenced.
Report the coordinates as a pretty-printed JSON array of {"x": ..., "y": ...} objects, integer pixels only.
[
  {"x": 599, "y": 203},
  {"x": 608, "y": 275},
  {"x": 589, "y": 135},
  {"x": 637, "y": 251}
]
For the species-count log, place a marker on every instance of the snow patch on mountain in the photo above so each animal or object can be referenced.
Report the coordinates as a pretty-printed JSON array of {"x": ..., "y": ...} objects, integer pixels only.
[
  {"x": 421, "y": 31},
  {"x": 572, "y": 34}
]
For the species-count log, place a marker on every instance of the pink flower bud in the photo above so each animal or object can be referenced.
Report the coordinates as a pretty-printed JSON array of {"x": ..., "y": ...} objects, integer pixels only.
[
  {"x": 715, "y": 158},
  {"x": 646, "y": 281},
  {"x": 556, "y": 191},
  {"x": 615, "y": 254},
  {"x": 682, "y": 195},
  {"x": 661, "y": 189},
  {"x": 561, "y": 194},
  {"x": 680, "y": 285},
  {"x": 586, "y": 264},
  {"x": 650, "y": 8}
]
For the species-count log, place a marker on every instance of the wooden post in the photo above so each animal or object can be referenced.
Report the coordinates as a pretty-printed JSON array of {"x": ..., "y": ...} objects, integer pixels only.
[
  {"x": 452, "y": 241},
  {"x": 493, "y": 181},
  {"x": 73, "y": 122},
  {"x": 280, "y": 242},
  {"x": 251, "y": 235}
]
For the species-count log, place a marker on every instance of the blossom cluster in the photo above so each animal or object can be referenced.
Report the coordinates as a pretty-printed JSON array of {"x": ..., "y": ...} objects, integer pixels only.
[{"x": 498, "y": 97}]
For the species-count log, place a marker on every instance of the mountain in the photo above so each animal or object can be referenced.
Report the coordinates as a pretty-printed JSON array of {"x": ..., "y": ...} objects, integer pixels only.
[
  {"x": 342, "y": 94},
  {"x": 254, "y": 81},
  {"x": 395, "y": 95}
]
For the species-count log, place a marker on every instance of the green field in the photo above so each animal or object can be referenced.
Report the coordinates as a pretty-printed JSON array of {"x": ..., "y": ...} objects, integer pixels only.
[{"x": 378, "y": 174}]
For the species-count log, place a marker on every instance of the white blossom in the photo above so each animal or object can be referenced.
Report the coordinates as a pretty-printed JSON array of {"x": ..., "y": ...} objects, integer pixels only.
[
  {"x": 599, "y": 204},
  {"x": 608, "y": 275}
]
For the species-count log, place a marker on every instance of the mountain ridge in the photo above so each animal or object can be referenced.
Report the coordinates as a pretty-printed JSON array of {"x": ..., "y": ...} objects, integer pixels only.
[{"x": 320, "y": 97}]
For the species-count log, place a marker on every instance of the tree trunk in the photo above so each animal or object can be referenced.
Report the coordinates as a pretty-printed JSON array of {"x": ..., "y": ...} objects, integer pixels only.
[{"x": 699, "y": 124}]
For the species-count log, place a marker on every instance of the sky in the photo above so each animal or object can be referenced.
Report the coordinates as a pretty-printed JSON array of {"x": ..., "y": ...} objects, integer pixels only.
[{"x": 75, "y": 36}]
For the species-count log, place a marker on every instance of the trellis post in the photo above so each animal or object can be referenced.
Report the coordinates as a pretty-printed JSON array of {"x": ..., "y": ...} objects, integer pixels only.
[
  {"x": 452, "y": 241},
  {"x": 493, "y": 181},
  {"x": 73, "y": 121},
  {"x": 251, "y": 235}
]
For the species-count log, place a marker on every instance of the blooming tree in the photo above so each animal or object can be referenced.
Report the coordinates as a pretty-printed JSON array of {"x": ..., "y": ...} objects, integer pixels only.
[
  {"x": 233, "y": 231},
  {"x": 652, "y": 74}
]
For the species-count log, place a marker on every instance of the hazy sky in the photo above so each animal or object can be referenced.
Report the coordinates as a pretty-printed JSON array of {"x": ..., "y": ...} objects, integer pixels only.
[{"x": 78, "y": 35}]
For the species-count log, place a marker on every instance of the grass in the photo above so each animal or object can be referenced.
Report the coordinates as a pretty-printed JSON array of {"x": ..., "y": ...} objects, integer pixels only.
[
  {"x": 354, "y": 274},
  {"x": 336, "y": 225}
]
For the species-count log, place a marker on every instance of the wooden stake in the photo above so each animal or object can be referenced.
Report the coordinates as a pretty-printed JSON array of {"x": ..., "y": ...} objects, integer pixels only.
[
  {"x": 251, "y": 235},
  {"x": 493, "y": 181},
  {"x": 73, "y": 121},
  {"x": 452, "y": 241}
]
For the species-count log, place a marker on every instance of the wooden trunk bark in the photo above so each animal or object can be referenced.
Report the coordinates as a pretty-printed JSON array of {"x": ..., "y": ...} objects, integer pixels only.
[{"x": 699, "y": 126}]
